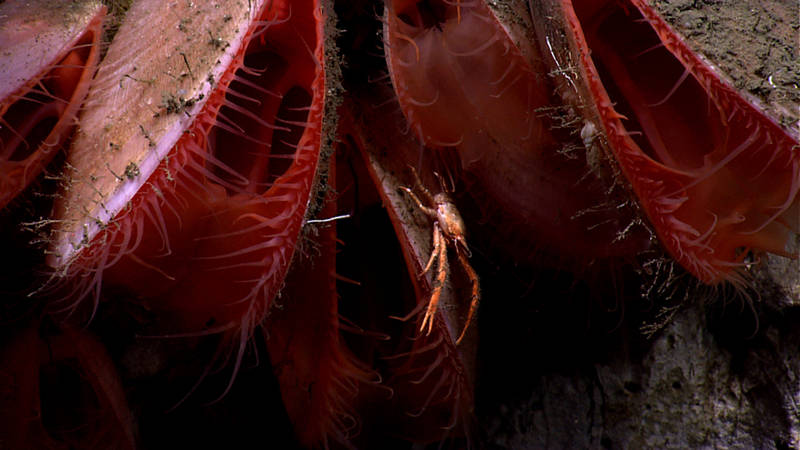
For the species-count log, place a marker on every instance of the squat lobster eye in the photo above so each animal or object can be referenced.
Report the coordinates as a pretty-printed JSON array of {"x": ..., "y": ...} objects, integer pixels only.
[{"x": 448, "y": 227}]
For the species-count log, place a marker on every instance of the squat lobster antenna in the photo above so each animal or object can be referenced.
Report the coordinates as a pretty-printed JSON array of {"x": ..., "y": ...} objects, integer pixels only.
[
  {"x": 420, "y": 187},
  {"x": 446, "y": 187}
]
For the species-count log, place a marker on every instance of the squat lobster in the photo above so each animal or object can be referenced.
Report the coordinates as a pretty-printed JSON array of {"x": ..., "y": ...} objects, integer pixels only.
[{"x": 448, "y": 226}]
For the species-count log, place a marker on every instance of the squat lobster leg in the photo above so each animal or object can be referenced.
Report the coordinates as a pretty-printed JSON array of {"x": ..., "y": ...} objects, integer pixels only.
[
  {"x": 430, "y": 212},
  {"x": 476, "y": 293},
  {"x": 439, "y": 252},
  {"x": 448, "y": 227}
]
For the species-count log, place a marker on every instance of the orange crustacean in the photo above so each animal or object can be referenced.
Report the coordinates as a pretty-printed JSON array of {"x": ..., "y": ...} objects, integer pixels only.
[
  {"x": 336, "y": 186},
  {"x": 432, "y": 374},
  {"x": 464, "y": 83}
]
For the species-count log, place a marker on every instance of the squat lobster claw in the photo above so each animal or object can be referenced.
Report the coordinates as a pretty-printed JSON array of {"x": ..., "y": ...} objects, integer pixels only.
[{"x": 448, "y": 226}]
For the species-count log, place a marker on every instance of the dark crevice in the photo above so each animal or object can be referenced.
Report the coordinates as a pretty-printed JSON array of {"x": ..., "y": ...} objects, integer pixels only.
[
  {"x": 66, "y": 400},
  {"x": 19, "y": 139},
  {"x": 245, "y": 146},
  {"x": 424, "y": 14},
  {"x": 256, "y": 149},
  {"x": 43, "y": 104},
  {"x": 669, "y": 114},
  {"x": 292, "y": 116}
]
